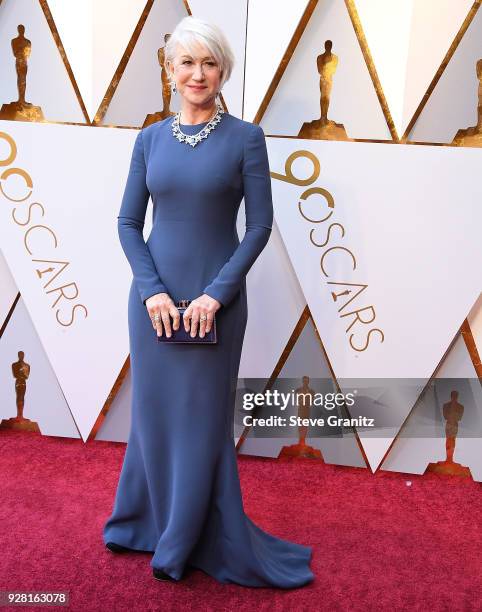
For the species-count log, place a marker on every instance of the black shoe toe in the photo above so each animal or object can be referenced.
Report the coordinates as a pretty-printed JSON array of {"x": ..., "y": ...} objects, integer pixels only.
[
  {"x": 113, "y": 547},
  {"x": 160, "y": 575}
]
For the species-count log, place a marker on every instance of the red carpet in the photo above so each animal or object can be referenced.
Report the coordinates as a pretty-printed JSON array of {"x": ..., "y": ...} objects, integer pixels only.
[{"x": 378, "y": 543}]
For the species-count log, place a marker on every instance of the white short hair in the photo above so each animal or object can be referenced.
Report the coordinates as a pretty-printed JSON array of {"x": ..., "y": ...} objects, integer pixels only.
[{"x": 192, "y": 31}]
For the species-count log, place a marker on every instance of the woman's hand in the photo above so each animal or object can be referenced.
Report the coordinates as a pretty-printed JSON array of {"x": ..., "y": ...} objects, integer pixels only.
[
  {"x": 160, "y": 306},
  {"x": 203, "y": 305}
]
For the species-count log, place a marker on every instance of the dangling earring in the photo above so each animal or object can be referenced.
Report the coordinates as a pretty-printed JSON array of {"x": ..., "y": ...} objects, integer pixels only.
[{"x": 174, "y": 89}]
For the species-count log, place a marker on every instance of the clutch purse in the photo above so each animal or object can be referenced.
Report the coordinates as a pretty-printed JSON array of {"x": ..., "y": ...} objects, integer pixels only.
[{"x": 181, "y": 336}]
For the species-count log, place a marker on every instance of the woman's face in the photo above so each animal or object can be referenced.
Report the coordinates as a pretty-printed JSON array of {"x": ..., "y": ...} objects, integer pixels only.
[{"x": 197, "y": 78}]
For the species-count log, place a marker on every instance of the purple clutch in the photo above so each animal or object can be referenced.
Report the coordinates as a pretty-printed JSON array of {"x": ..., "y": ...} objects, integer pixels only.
[{"x": 181, "y": 336}]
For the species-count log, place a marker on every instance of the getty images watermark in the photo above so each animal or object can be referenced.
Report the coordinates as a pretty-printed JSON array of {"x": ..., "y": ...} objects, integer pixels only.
[
  {"x": 406, "y": 407},
  {"x": 302, "y": 401}
]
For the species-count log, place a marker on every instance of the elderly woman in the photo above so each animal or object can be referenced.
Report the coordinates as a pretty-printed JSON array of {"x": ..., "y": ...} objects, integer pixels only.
[{"x": 179, "y": 494}]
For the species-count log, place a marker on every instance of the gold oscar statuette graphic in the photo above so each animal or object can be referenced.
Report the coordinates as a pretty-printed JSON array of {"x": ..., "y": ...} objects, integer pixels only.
[
  {"x": 20, "y": 110},
  {"x": 472, "y": 136},
  {"x": 166, "y": 90},
  {"x": 20, "y": 371},
  {"x": 452, "y": 412},
  {"x": 324, "y": 128},
  {"x": 304, "y": 401}
]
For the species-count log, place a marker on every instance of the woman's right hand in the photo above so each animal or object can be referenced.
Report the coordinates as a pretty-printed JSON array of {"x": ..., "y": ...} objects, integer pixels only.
[{"x": 161, "y": 304}]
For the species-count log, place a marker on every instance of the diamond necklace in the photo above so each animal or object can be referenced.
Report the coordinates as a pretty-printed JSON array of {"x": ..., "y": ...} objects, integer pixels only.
[{"x": 193, "y": 139}]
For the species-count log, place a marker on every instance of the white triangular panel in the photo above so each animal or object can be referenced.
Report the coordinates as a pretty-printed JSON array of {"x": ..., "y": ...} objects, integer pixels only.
[
  {"x": 271, "y": 25},
  {"x": 48, "y": 82},
  {"x": 397, "y": 34},
  {"x": 438, "y": 22},
  {"x": 422, "y": 440},
  {"x": 139, "y": 91},
  {"x": 74, "y": 23},
  {"x": 44, "y": 402},
  {"x": 452, "y": 105},
  {"x": 387, "y": 29},
  {"x": 384, "y": 199},
  {"x": 231, "y": 18},
  {"x": 353, "y": 101},
  {"x": 94, "y": 48},
  {"x": 78, "y": 225}
]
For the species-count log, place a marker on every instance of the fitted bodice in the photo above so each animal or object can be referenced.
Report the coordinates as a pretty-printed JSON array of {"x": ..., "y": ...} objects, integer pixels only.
[{"x": 196, "y": 194}]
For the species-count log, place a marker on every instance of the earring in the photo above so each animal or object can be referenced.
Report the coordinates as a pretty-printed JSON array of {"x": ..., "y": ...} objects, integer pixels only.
[{"x": 174, "y": 90}]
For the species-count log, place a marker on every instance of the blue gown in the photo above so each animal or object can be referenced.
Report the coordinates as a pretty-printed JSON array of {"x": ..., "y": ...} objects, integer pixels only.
[{"x": 179, "y": 494}]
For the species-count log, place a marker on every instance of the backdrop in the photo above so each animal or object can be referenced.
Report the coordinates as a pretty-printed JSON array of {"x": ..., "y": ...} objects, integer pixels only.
[{"x": 372, "y": 111}]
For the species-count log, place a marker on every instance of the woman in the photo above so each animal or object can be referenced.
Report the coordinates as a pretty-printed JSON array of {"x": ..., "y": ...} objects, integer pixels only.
[{"x": 179, "y": 494}]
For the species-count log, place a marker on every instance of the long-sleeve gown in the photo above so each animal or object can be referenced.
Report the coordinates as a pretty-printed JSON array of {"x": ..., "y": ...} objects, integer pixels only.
[{"x": 179, "y": 494}]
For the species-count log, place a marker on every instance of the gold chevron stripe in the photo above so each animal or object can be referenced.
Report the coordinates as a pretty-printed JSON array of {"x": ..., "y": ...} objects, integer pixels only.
[
  {"x": 300, "y": 28},
  {"x": 56, "y": 36},
  {"x": 355, "y": 19},
  {"x": 99, "y": 115}
]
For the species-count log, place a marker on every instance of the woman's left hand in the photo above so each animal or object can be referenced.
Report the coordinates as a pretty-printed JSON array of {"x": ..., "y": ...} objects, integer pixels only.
[{"x": 203, "y": 305}]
